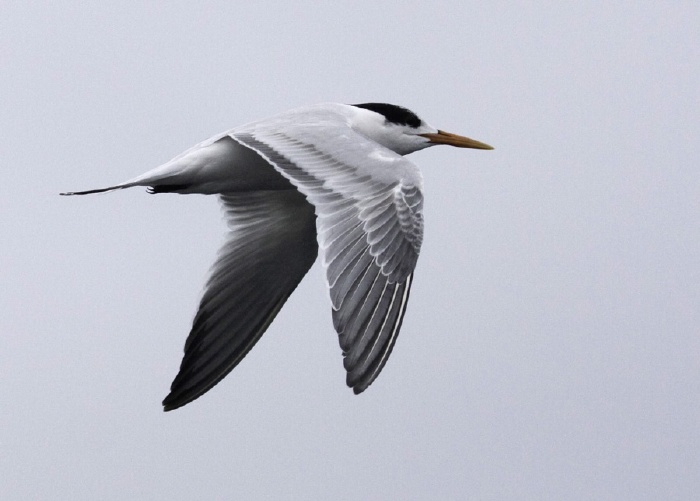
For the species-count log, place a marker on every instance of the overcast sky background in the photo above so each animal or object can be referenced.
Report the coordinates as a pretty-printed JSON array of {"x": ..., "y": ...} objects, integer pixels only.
[{"x": 551, "y": 347}]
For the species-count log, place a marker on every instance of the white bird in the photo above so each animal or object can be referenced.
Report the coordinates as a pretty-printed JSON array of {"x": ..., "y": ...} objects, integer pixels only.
[{"x": 330, "y": 178}]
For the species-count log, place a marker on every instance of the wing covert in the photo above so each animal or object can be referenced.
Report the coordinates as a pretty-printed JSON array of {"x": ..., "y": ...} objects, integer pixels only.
[{"x": 368, "y": 203}]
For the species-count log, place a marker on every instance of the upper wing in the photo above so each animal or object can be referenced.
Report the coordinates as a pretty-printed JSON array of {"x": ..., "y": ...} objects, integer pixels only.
[
  {"x": 368, "y": 204},
  {"x": 271, "y": 246}
]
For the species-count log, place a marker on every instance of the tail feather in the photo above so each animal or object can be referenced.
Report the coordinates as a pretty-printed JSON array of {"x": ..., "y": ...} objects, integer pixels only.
[
  {"x": 164, "y": 179},
  {"x": 151, "y": 178},
  {"x": 218, "y": 165},
  {"x": 90, "y": 192}
]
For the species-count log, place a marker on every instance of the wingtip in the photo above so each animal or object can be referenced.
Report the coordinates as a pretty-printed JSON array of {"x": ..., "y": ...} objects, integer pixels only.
[
  {"x": 178, "y": 398},
  {"x": 358, "y": 386},
  {"x": 175, "y": 400},
  {"x": 168, "y": 408},
  {"x": 170, "y": 404}
]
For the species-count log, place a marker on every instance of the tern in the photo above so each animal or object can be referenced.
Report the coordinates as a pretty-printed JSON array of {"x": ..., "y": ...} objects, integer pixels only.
[{"x": 328, "y": 179}]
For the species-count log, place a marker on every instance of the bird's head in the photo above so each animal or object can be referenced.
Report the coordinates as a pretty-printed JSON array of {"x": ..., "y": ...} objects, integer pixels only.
[{"x": 402, "y": 131}]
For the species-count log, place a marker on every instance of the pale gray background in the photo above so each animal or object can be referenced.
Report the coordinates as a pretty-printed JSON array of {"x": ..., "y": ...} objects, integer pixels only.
[{"x": 550, "y": 349}]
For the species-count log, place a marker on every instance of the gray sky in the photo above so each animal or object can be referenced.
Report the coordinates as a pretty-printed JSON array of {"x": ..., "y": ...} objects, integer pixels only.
[{"x": 550, "y": 349}]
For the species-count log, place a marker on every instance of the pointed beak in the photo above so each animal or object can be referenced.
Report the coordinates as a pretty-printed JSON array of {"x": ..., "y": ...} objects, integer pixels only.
[{"x": 443, "y": 137}]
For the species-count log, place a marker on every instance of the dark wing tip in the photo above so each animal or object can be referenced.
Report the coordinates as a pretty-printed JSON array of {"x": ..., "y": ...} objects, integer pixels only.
[
  {"x": 177, "y": 399},
  {"x": 168, "y": 405}
]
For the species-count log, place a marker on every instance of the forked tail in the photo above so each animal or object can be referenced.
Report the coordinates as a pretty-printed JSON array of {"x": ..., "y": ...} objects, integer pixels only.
[{"x": 90, "y": 192}]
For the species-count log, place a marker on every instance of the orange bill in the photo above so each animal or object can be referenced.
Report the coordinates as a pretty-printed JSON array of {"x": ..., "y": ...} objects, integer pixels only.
[{"x": 443, "y": 137}]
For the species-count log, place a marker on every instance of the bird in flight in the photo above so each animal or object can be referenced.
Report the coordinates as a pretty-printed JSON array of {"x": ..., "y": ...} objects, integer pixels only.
[{"x": 328, "y": 179}]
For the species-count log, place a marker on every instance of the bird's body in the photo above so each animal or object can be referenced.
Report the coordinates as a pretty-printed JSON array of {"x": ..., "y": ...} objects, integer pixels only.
[{"x": 329, "y": 178}]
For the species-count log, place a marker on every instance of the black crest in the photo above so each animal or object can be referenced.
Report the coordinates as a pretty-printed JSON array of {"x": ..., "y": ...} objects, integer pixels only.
[{"x": 394, "y": 114}]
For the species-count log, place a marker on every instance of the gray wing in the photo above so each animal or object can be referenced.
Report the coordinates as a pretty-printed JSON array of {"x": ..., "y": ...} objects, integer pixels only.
[
  {"x": 368, "y": 204},
  {"x": 271, "y": 246}
]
